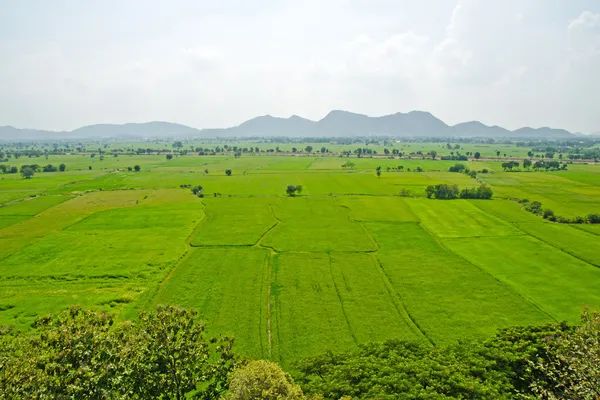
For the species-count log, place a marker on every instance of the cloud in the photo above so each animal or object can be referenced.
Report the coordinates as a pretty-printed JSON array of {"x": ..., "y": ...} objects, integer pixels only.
[{"x": 587, "y": 20}]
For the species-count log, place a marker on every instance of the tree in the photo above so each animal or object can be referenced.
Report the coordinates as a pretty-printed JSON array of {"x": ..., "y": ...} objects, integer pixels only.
[
  {"x": 378, "y": 172},
  {"x": 458, "y": 168},
  {"x": 526, "y": 163},
  {"x": 177, "y": 144},
  {"x": 568, "y": 368},
  {"x": 291, "y": 190},
  {"x": 433, "y": 154},
  {"x": 198, "y": 191},
  {"x": 62, "y": 167},
  {"x": 27, "y": 172},
  {"x": 308, "y": 149},
  {"x": 86, "y": 355},
  {"x": 530, "y": 154},
  {"x": 498, "y": 153},
  {"x": 136, "y": 168},
  {"x": 228, "y": 172},
  {"x": 477, "y": 155},
  {"x": 262, "y": 379},
  {"x": 299, "y": 189},
  {"x": 169, "y": 156}
]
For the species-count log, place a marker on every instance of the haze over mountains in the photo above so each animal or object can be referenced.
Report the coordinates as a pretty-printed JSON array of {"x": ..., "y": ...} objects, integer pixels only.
[{"x": 336, "y": 123}]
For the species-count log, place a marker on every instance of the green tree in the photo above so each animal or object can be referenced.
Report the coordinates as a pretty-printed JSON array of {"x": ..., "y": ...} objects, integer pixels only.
[
  {"x": 62, "y": 167},
  {"x": 291, "y": 190},
  {"x": 170, "y": 357},
  {"x": 198, "y": 190},
  {"x": 569, "y": 368},
  {"x": 169, "y": 156},
  {"x": 81, "y": 354},
  {"x": 27, "y": 172},
  {"x": 136, "y": 168},
  {"x": 262, "y": 380},
  {"x": 433, "y": 154},
  {"x": 477, "y": 155},
  {"x": 228, "y": 172},
  {"x": 308, "y": 149},
  {"x": 299, "y": 189},
  {"x": 526, "y": 163}
]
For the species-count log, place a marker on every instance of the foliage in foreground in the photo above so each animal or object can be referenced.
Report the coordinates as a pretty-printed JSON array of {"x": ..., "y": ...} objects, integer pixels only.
[
  {"x": 81, "y": 354},
  {"x": 553, "y": 361},
  {"x": 84, "y": 354},
  {"x": 262, "y": 380}
]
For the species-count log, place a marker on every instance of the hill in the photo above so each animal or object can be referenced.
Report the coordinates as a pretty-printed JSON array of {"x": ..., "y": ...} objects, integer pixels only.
[{"x": 336, "y": 123}]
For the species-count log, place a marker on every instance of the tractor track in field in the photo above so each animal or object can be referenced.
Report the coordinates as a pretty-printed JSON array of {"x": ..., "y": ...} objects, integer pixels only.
[
  {"x": 272, "y": 253},
  {"x": 399, "y": 305},
  {"x": 337, "y": 291},
  {"x": 181, "y": 258}
]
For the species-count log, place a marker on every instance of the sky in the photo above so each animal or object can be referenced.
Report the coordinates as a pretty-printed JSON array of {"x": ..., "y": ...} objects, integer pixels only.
[{"x": 209, "y": 64}]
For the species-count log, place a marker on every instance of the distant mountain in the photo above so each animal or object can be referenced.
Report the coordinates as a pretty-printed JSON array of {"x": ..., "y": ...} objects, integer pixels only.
[
  {"x": 476, "y": 128},
  {"x": 336, "y": 123},
  {"x": 155, "y": 128}
]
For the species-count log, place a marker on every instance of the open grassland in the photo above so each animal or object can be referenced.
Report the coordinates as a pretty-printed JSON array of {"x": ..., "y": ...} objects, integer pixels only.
[{"x": 354, "y": 258}]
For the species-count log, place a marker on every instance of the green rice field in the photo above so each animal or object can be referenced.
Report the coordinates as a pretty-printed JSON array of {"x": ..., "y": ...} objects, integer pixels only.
[{"x": 354, "y": 258}]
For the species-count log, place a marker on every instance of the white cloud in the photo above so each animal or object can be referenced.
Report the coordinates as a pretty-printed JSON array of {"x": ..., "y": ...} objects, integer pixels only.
[{"x": 586, "y": 20}]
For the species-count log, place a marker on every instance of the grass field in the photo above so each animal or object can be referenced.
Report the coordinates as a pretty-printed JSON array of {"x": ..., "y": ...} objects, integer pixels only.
[{"x": 346, "y": 262}]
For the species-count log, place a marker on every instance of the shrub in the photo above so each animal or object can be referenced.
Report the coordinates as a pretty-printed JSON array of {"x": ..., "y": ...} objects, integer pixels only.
[
  {"x": 548, "y": 213},
  {"x": 457, "y": 168},
  {"x": 593, "y": 218},
  {"x": 262, "y": 380}
]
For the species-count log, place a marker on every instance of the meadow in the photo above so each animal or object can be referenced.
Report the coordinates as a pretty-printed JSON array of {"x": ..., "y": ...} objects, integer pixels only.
[{"x": 356, "y": 257}]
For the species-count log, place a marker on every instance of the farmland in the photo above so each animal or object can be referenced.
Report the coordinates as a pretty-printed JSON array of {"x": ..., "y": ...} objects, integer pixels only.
[{"x": 354, "y": 258}]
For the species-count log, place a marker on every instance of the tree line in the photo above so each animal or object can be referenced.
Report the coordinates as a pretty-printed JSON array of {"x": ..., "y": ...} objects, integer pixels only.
[
  {"x": 535, "y": 207},
  {"x": 166, "y": 354},
  {"x": 445, "y": 191}
]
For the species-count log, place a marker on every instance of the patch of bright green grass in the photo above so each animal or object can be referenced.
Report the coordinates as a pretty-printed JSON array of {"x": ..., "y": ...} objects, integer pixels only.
[
  {"x": 459, "y": 218},
  {"x": 448, "y": 297},
  {"x": 372, "y": 208},
  {"x": 234, "y": 221},
  {"x": 228, "y": 288},
  {"x": 315, "y": 224},
  {"x": 556, "y": 282},
  {"x": 307, "y": 315}
]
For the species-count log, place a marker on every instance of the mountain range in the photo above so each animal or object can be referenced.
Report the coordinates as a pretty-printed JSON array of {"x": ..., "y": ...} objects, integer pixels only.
[{"x": 335, "y": 124}]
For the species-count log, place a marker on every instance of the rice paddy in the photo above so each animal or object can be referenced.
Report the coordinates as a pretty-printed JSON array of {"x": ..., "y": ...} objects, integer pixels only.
[{"x": 354, "y": 258}]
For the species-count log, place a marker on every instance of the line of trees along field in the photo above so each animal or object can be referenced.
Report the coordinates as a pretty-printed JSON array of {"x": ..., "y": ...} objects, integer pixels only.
[{"x": 82, "y": 354}]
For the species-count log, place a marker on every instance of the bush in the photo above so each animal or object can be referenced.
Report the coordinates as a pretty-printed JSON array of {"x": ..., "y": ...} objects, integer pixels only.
[
  {"x": 457, "y": 168},
  {"x": 198, "y": 191},
  {"x": 262, "y": 380},
  {"x": 442, "y": 191},
  {"x": 548, "y": 213},
  {"x": 593, "y": 218}
]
